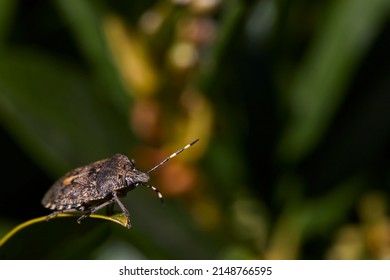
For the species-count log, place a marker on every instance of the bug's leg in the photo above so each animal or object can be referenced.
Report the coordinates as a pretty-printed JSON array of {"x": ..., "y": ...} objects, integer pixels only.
[
  {"x": 83, "y": 217},
  {"x": 52, "y": 215},
  {"x": 115, "y": 197},
  {"x": 93, "y": 209}
]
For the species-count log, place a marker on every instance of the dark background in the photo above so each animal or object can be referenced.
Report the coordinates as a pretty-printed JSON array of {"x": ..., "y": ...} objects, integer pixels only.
[{"x": 290, "y": 100}]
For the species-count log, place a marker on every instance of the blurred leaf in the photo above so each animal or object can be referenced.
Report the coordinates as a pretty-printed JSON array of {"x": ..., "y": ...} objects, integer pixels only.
[
  {"x": 6, "y": 13},
  {"x": 320, "y": 84},
  {"x": 132, "y": 58},
  {"x": 232, "y": 16},
  {"x": 303, "y": 219},
  {"x": 56, "y": 113},
  {"x": 327, "y": 211},
  {"x": 169, "y": 230},
  {"x": 85, "y": 21}
]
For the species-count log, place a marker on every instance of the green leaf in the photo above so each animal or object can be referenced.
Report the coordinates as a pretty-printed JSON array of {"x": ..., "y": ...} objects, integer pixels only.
[
  {"x": 59, "y": 238},
  {"x": 320, "y": 84},
  {"x": 118, "y": 218}
]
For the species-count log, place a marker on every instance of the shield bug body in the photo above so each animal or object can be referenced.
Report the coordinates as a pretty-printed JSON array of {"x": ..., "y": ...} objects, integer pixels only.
[{"x": 92, "y": 187}]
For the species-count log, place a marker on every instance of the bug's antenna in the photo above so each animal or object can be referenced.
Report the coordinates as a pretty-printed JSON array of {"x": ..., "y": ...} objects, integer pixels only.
[
  {"x": 172, "y": 156},
  {"x": 158, "y": 193}
]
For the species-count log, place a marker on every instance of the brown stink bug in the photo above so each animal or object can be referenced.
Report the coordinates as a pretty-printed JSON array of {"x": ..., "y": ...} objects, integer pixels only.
[{"x": 92, "y": 187}]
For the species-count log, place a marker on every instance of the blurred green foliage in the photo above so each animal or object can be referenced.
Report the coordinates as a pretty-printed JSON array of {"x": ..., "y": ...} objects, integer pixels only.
[{"x": 289, "y": 98}]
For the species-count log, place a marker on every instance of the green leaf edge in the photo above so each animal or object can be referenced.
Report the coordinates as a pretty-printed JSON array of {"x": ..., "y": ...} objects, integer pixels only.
[{"x": 117, "y": 218}]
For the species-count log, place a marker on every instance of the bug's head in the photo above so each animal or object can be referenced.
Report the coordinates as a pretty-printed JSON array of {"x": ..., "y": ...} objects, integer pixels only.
[{"x": 135, "y": 177}]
